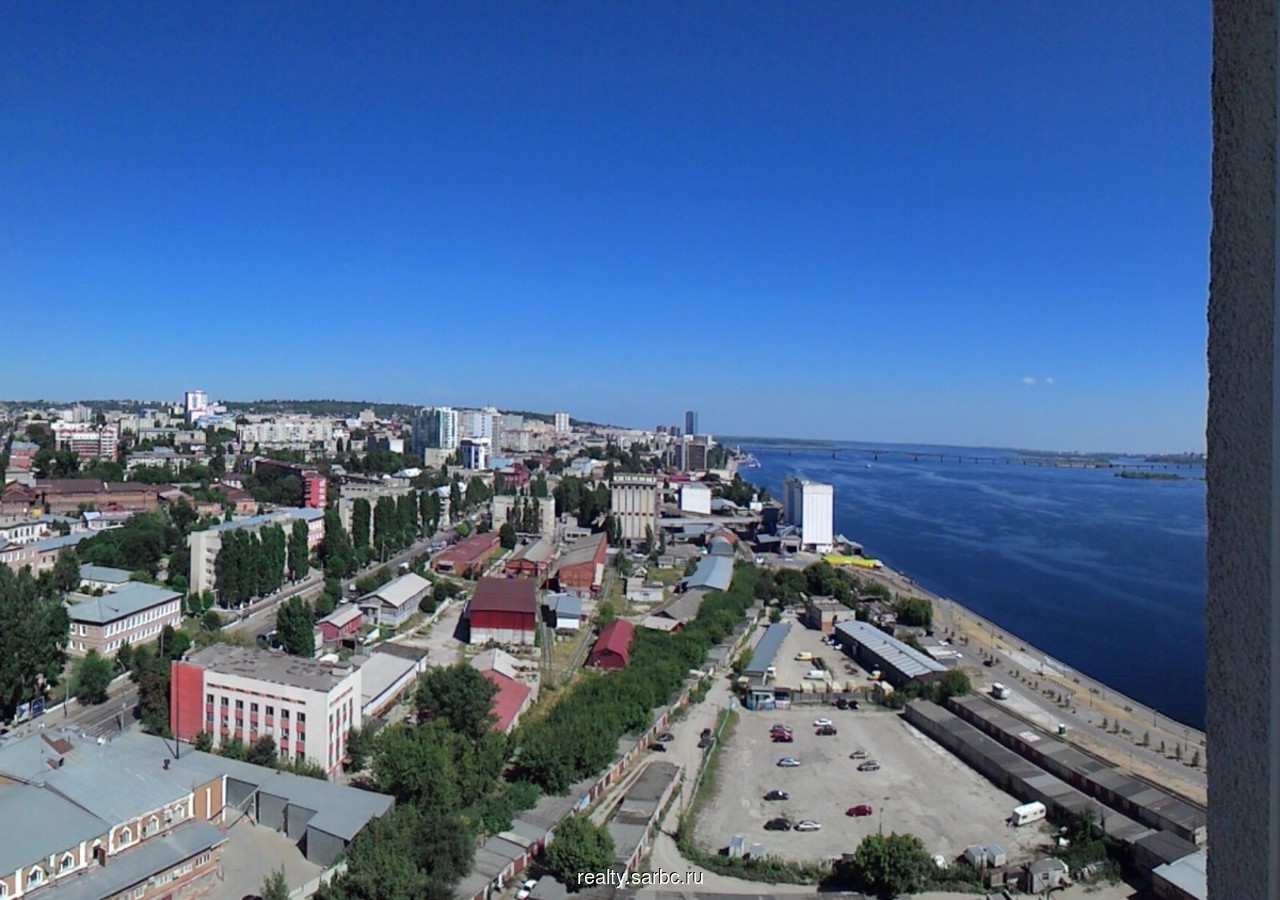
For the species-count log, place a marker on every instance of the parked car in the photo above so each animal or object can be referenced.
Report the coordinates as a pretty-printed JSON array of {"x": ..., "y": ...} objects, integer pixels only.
[
  {"x": 661, "y": 748},
  {"x": 807, "y": 825},
  {"x": 706, "y": 732},
  {"x": 666, "y": 736},
  {"x": 526, "y": 889},
  {"x": 783, "y": 737},
  {"x": 858, "y": 811},
  {"x": 777, "y": 795},
  {"x": 842, "y": 703},
  {"x": 818, "y": 723},
  {"x": 790, "y": 762},
  {"x": 778, "y": 824},
  {"x": 858, "y": 754},
  {"x": 827, "y": 730},
  {"x": 704, "y": 743},
  {"x": 869, "y": 766},
  {"x": 989, "y": 663}
]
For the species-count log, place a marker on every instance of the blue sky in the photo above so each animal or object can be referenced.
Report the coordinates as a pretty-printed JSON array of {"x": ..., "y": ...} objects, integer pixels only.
[{"x": 842, "y": 220}]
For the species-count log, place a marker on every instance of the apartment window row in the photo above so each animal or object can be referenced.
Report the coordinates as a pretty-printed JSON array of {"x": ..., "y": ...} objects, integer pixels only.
[{"x": 132, "y": 622}]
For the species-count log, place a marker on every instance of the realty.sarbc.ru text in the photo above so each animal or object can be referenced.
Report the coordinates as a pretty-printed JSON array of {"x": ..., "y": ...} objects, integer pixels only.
[{"x": 639, "y": 879}]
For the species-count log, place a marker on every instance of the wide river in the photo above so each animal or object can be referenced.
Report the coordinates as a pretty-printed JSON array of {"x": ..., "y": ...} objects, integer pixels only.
[{"x": 1105, "y": 573}]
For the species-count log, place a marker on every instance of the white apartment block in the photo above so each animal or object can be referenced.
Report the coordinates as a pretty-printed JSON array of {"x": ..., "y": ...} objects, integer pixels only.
[
  {"x": 299, "y": 433},
  {"x": 562, "y": 423},
  {"x": 809, "y": 505},
  {"x": 247, "y": 692},
  {"x": 475, "y": 453},
  {"x": 634, "y": 502},
  {"x": 435, "y": 428},
  {"x": 205, "y": 545},
  {"x": 86, "y": 441}
]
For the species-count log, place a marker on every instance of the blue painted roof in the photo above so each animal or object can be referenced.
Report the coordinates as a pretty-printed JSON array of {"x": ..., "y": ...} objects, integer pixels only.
[
  {"x": 713, "y": 572},
  {"x": 767, "y": 649}
]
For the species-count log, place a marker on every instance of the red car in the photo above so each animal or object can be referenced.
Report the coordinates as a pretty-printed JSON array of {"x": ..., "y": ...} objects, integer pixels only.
[{"x": 859, "y": 811}]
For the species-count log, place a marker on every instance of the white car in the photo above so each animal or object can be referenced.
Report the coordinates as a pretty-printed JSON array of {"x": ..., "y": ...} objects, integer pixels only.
[
  {"x": 807, "y": 825},
  {"x": 788, "y": 762},
  {"x": 526, "y": 889},
  {"x": 818, "y": 723}
]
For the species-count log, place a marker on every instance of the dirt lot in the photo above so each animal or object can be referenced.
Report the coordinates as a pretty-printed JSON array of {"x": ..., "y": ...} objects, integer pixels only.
[{"x": 920, "y": 789}]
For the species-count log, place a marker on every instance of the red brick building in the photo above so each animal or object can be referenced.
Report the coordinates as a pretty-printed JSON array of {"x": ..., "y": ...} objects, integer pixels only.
[
  {"x": 467, "y": 556},
  {"x": 613, "y": 648},
  {"x": 343, "y": 624},
  {"x": 504, "y": 610},
  {"x": 581, "y": 568}
]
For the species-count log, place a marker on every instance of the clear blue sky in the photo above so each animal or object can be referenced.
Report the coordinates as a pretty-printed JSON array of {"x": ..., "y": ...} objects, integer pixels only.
[{"x": 843, "y": 220}]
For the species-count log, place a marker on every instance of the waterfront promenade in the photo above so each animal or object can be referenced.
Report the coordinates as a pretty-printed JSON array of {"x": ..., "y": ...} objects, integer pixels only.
[{"x": 1135, "y": 733}]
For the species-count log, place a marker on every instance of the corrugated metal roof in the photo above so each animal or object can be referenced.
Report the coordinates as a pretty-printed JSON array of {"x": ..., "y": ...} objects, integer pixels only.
[
  {"x": 133, "y": 598},
  {"x": 767, "y": 649},
  {"x": 907, "y": 660},
  {"x": 713, "y": 572}
]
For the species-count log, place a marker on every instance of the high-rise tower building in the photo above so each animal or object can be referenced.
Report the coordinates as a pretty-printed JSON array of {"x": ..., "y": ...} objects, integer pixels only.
[{"x": 691, "y": 422}]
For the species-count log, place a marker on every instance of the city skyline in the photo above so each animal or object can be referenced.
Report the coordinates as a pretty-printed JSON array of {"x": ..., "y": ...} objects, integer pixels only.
[{"x": 939, "y": 227}]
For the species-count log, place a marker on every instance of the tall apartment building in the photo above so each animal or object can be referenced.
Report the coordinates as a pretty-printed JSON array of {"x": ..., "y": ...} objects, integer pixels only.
[
  {"x": 480, "y": 423},
  {"x": 206, "y": 545},
  {"x": 295, "y": 433},
  {"x": 809, "y": 505},
  {"x": 562, "y": 423},
  {"x": 87, "y": 442},
  {"x": 634, "y": 502},
  {"x": 690, "y": 422},
  {"x": 435, "y": 428},
  {"x": 694, "y": 449},
  {"x": 247, "y": 692},
  {"x": 195, "y": 405},
  {"x": 475, "y": 453}
]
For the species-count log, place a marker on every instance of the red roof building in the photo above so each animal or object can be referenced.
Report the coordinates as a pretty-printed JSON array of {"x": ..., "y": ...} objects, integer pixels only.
[
  {"x": 509, "y": 702},
  {"x": 343, "y": 624},
  {"x": 613, "y": 647},
  {"x": 466, "y": 556},
  {"x": 503, "y": 610}
]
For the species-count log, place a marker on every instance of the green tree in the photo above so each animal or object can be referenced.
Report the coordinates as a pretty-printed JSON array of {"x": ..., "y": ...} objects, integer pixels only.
[
  {"x": 211, "y": 621},
  {"x": 173, "y": 644},
  {"x": 66, "y": 571},
  {"x": 892, "y": 865},
  {"x": 124, "y": 656},
  {"x": 264, "y": 751},
  {"x": 361, "y": 523},
  {"x": 92, "y": 676},
  {"x": 203, "y": 742},
  {"x": 274, "y": 886},
  {"x": 459, "y": 695},
  {"x": 455, "y": 501},
  {"x": 916, "y": 612},
  {"x": 953, "y": 683},
  {"x": 295, "y": 627},
  {"x": 507, "y": 536},
  {"x": 384, "y": 527},
  {"x": 579, "y": 847},
  {"x": 34, "y": 626},
  {"x": 337, "y": 551},
  {"x": 299, "y": 552},
  {"x": 234, "y": 748}
]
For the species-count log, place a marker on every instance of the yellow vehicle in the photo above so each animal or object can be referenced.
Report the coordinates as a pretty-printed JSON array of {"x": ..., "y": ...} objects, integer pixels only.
[{"x": 804, "y": 656}]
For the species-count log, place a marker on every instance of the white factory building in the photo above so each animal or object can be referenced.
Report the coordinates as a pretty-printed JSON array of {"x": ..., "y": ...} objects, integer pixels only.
[{"x": 809, "y": 505}]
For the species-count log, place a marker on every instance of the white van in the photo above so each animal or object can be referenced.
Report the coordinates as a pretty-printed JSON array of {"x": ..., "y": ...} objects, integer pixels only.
[
  {"x": 816, "y": 675},
  {"x": 1027, "y": 813}
]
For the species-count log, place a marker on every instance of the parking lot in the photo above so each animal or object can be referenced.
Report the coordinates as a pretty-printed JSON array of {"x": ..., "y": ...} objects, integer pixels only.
[{"x": 920, "y": 788}]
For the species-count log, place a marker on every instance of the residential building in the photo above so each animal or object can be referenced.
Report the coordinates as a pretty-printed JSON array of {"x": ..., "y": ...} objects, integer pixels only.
[
  {"x": 695, "y": 452},
  {"x": 581, "y": 567},
  {"x": 23, "y": 530},
  {"x": 612, "y": 649},
  {"x": 695, "y": 497},
  {"x": 291, "y": 434},
  {"x": 343, "y": 624},
  {"x": 395, "y": 601},
  {"x": 634, "y": 503},
  {"x": 435, "y": 428},
  {"x": 480, "y": 423},
  {"x": 206, "y": 545},
  {"x": 86, "y": 441},
  {"x": 195, "y": 405},
  {"x": 468, "y": 556},
  {"x": 351, "y": 490},
  {"x": 135, "y": 613},
  {"x": 475, "y": 453},
  {"x": 39, "y": 555},
  {"x": 691, "y": 422},
  {"x": 562, "y": 423},
  {"x": 809, "y": 506},
  {"x": 503, "y": 610},
  {"x": 502, "y": 506},
  {"x": 246, "y": 692},
  {"x": 315, "y": 487}
]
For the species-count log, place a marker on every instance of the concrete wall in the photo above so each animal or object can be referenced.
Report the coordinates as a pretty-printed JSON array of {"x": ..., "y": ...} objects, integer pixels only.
[
  {"x": 324, "y": 848},
  {"x": 298, "y": 817},
  {"x": 1243, "y": 637},
  {"x": 271, "y": 811}
]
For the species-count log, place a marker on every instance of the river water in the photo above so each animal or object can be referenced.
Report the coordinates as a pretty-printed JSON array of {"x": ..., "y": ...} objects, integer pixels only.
[{"x": 1106, "y": 574}]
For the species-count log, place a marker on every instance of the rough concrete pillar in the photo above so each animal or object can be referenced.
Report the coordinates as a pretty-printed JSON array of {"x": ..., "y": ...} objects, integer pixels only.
[{"x": 1243, "y": 621}]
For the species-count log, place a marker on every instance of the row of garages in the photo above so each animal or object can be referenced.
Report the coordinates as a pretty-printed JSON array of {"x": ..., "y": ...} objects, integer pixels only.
[
  {"x": 1173, "y": 864},
  {"x": 1136, "y": 799}
]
